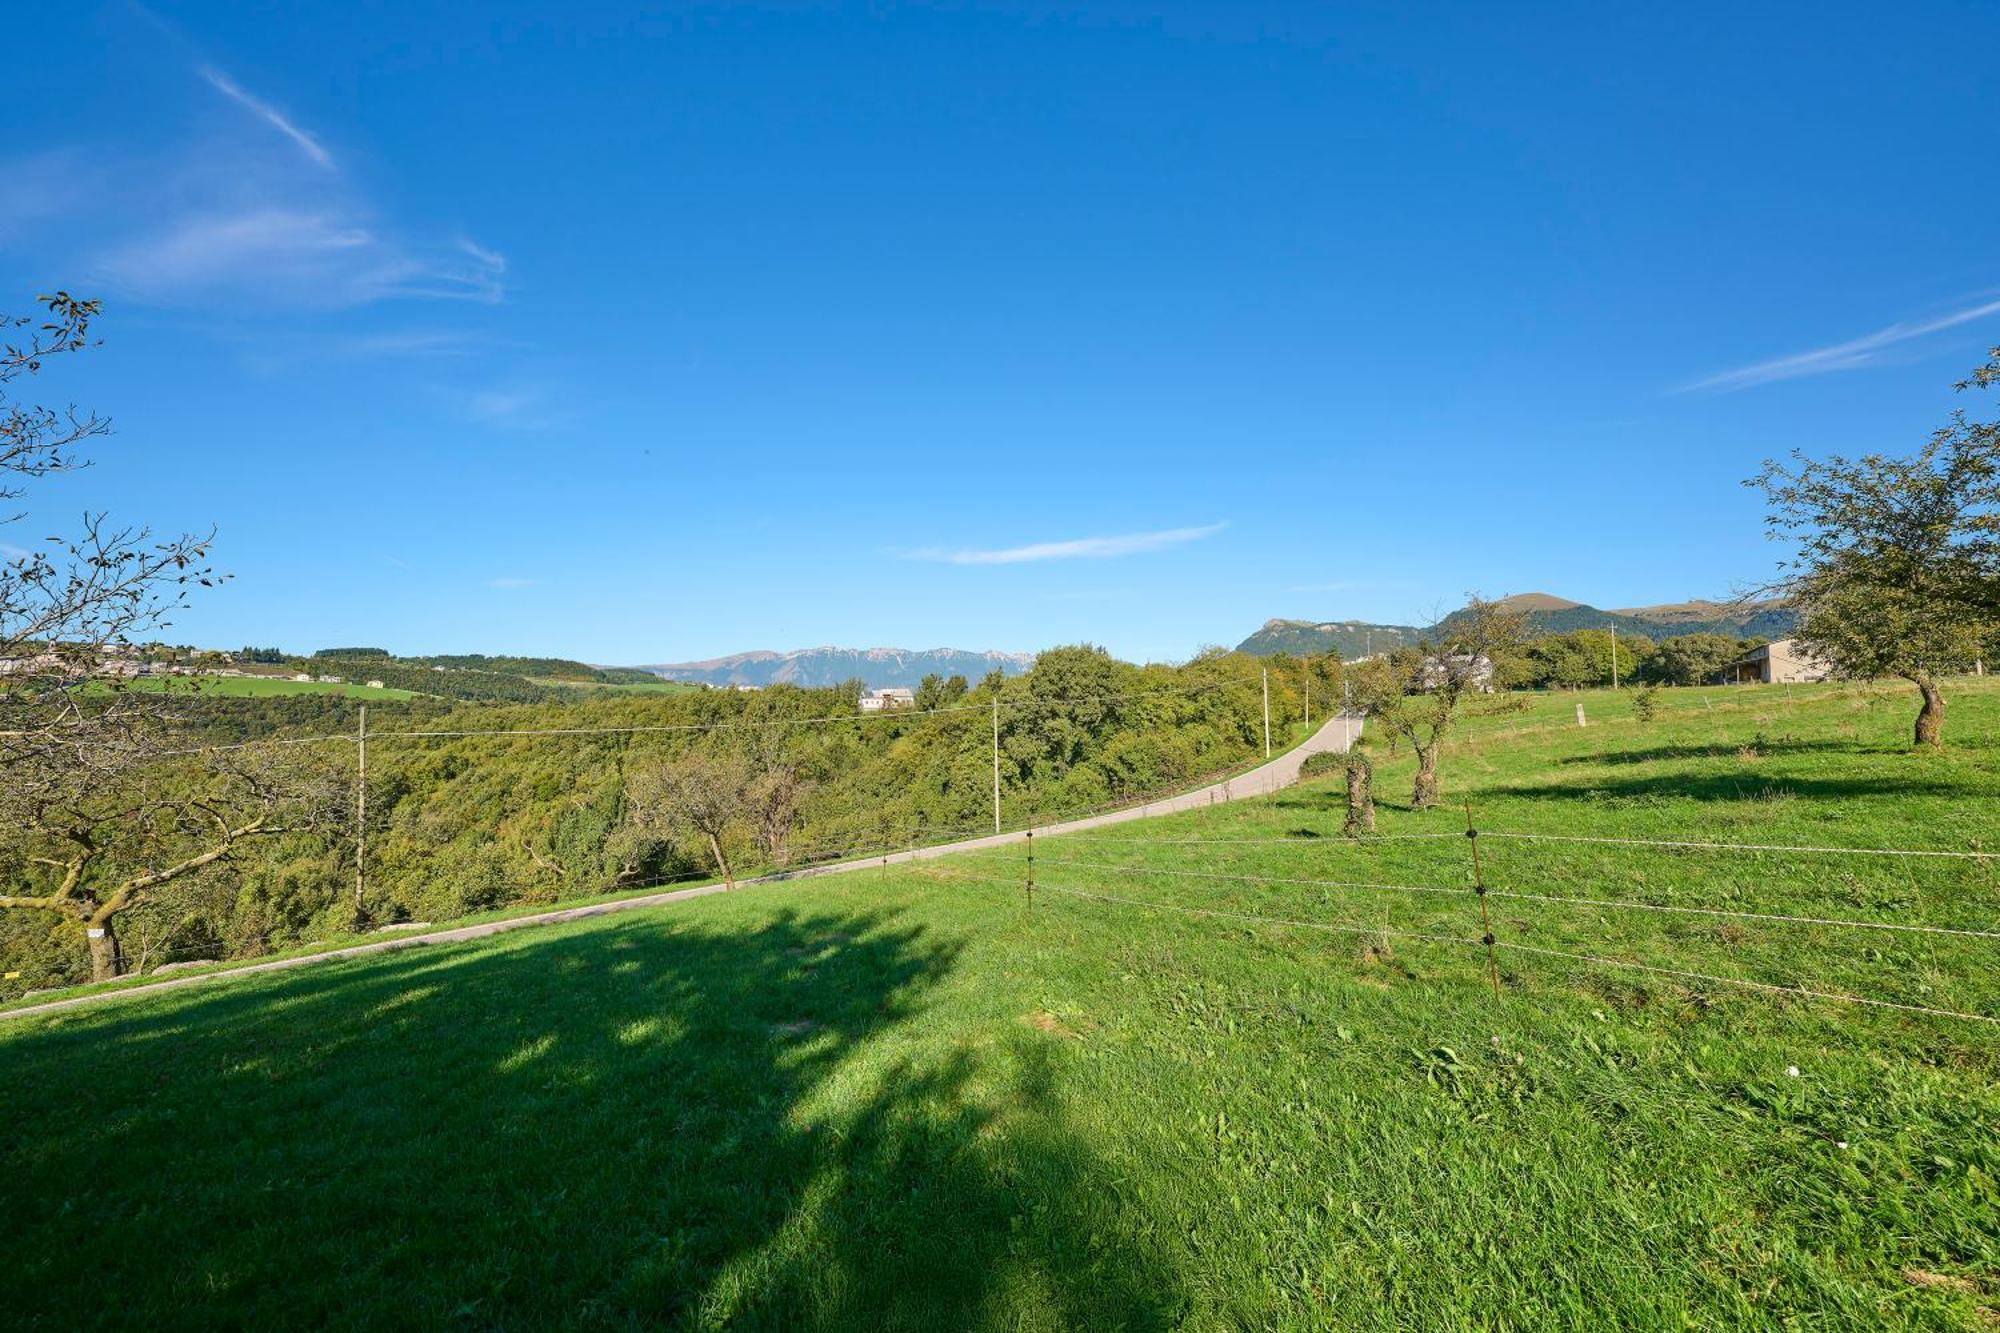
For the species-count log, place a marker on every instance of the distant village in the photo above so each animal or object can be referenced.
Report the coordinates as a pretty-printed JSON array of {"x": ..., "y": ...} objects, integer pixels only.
[{"x": 157, "y": 661}]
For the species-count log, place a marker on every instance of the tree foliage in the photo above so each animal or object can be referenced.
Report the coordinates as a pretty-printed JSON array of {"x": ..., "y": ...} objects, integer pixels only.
[
  {"x": 1897, "y": 559},
  {"x": 1418, "y": 694}
]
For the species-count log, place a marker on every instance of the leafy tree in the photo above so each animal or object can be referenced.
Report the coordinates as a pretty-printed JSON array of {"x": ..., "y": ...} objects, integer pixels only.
[
  {"x": 1418, "y": 694},
  {"x": 1579, "y": 659},
  {"x": 698, "y": 800},
  {"x": 1690, "y": 659},
  {"x": 104, "y": 845},
  {"x": 1897, "y": 568},
  {"x": 1323, "y": 678},
  {"x": 930, "y": 693}
]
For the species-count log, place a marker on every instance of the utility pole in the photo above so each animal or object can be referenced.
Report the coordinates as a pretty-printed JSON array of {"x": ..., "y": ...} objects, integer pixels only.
[
  {"x": 1267, "y": 712},
  {"x": 1614, "y": 656},
  {"x": 996, "y": 761},
  {"x": 1309, "y": 699},
  {"x": 360, "y": 811}
]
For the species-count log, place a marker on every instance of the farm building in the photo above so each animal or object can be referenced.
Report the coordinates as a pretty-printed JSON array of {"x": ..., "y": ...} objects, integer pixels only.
[
  {"x": 888, "y": 701},
  {"x": 1783, "y": 662}
]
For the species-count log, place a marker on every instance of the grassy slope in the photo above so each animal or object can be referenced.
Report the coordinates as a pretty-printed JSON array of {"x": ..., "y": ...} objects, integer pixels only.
[
  {"x": 620, "y": 687},
  {"x": 247, "y": 687},
  {"x": 903, "y": 1100}
]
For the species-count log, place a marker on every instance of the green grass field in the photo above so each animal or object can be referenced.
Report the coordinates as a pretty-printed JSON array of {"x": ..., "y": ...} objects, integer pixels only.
[
  {"x": 904, "y": 1099},
  {"x": 621, "y": 687},
  {"x": 257, "y": 687}
]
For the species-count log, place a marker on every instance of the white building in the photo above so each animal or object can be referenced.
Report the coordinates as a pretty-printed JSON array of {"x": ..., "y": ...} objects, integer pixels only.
[
  {"x": 1472, "y": 673},
  {"x": 1781, "y": 663},
  {"x": 889, "y": 700}
]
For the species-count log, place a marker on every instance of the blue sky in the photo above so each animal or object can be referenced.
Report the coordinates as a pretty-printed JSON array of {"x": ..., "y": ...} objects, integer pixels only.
[{"x": 574, "y": 330}]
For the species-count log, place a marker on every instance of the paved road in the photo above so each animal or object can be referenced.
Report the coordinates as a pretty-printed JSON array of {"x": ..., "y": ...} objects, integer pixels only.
[
  {"x": 1280, "y": 772},
  {"x": 1334, "y": 737}
]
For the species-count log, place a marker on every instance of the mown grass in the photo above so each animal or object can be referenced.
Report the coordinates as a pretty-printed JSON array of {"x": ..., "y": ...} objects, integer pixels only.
[
  {"x": 904, "y": 1099},
  {"x": 619, "y": 687},
  {"x": 254, "y": 687}
]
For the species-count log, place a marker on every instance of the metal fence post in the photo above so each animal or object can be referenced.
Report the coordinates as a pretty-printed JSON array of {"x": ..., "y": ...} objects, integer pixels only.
[
  {"x": 1479, "y": 887},
  {"x": 1031, "y": 870}
]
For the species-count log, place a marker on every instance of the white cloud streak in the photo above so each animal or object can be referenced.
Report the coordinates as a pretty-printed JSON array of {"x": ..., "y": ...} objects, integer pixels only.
[
  {"x": 1081, "y": 548},
  {"x": 313, "y": 256},
  {"x": 1840, "y": 356},
  {"x": 233, "y": 211},
  {"x": 269, "y": 114}
]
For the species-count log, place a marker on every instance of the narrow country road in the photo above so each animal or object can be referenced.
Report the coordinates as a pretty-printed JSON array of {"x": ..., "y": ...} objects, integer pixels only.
[
  {"x": 1283, "y": 771},
  {"x": 1334, "y": 737}
]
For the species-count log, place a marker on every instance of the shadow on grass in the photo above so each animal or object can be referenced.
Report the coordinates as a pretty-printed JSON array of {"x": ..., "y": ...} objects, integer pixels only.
[{"x": 647, "y": 1125}]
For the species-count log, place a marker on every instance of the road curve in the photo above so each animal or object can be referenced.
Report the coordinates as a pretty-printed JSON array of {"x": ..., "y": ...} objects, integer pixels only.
[{"x": 1334, "y": 737}]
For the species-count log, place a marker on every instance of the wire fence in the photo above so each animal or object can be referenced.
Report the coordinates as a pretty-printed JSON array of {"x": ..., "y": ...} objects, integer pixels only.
[
  {"x": 1506, "y": 943},
  {"x": 886, "y": 844}
]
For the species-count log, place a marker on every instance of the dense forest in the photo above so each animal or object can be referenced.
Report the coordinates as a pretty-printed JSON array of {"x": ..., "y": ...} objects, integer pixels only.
[{"x": 462, "y": 817}]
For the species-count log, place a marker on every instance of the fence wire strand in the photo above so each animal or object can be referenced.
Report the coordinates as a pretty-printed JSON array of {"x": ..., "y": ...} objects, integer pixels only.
[
  {"x": 1771, "y": 987},
  {"x": 1801, "y": 992},
  {"x": 1558, "y": 899},
  {"x": 1340, "y": 840}
]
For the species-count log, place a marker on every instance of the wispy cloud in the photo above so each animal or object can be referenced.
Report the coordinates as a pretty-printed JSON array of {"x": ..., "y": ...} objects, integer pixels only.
[
  {"x": 1080, "y": 548},
  {"x": 415, "y": 343},
  {"x": 317, "y": 255},
  {"x": 507, "y": 408},
  {"x": 269, "y": 114},
  {"x": 1840, "y": 356},
  {"x": 229, "y": 210},
  {"x": 508, "y": 581}
]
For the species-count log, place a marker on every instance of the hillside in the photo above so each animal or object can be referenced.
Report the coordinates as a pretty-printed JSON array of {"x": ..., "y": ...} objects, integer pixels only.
[
  {"x": 1547, "y": 614},
  {"x": 1223, "y": 1084},
  {"x": 820, "y": 668},
  {"x": 1349, "y": 638}
]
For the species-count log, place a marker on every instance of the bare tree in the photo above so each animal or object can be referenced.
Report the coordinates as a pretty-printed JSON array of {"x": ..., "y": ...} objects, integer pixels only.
[
  {"x": 1898, "y": 561},
  {"x": 94, "y": 850},
  {"x": 1418, "y": 694},
  {"x": 773, "y": 798},
  {"x": 699, "y": 801},
  {"x": 73, "y": 601},
  {"x": 89, "y": 820}
]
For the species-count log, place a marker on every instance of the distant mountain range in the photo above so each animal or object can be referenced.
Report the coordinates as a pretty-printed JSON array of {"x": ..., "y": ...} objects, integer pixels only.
[
  {"x": 812, "y": 668},
  {"x": 1547, "y": 614}
]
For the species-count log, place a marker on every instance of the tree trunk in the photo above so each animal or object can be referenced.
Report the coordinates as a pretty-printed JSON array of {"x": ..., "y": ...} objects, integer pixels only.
[
  {"x": 1930, "y": 719},
  {"x": 721, "y": 861},
  {"x": 1424, "y": 794},
  {"x": 105, "y": 960},
  {"x": 1360, "y": 796}
]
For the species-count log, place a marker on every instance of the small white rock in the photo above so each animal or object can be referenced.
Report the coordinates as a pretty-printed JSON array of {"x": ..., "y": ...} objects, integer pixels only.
[{"x": 1791, "y": 1071}]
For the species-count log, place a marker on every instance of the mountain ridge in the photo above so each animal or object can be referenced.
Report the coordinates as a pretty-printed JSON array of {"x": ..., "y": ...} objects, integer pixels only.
[
  {"x": 829, "y": 664},
  {"x": 1546, "y": 614}
]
